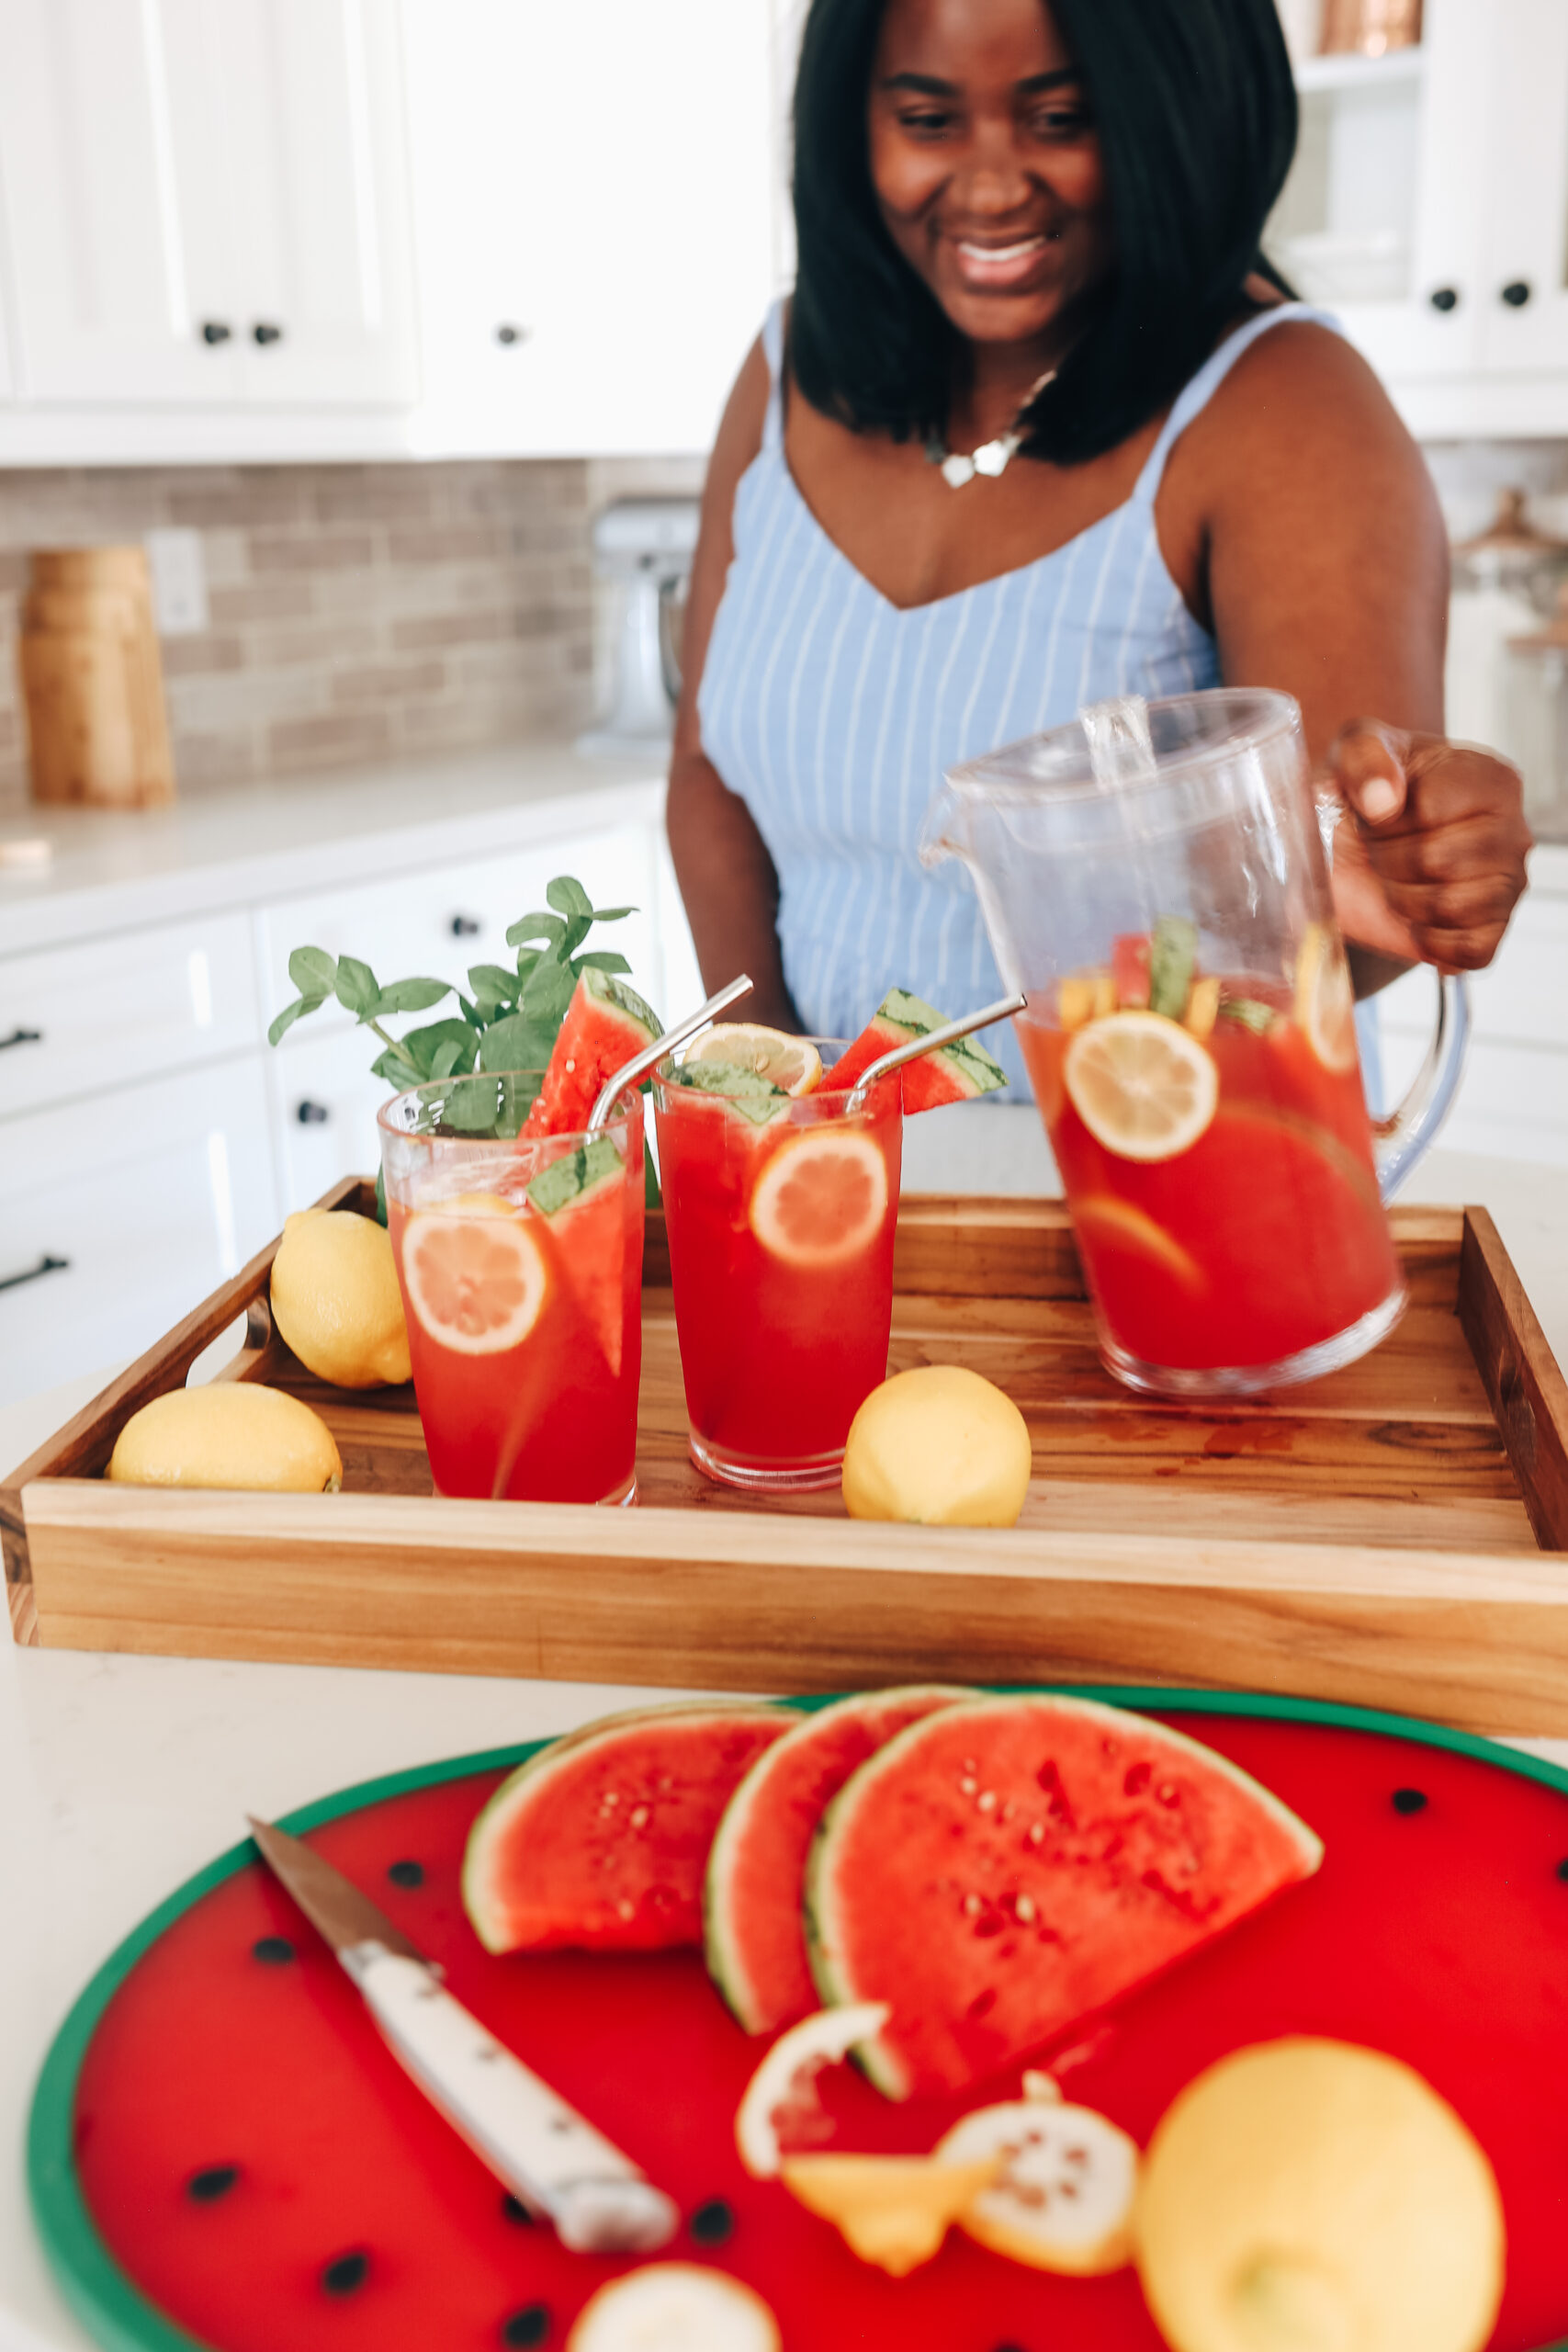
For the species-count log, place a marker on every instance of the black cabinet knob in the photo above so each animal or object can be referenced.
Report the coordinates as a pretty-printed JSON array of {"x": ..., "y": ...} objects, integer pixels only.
[
  {"x": 22, "y": 1038},
  {"x": 1445, "y": 298},
  {"x": 1517, "y": 293},
  {"x": 264, "y": 333},
  {"x": 47, "y": 1264},
  {"x": 510, "y": 334},
  {"x": 311, "y": 1114},
  {"x": 464, "y": 926},
  {"x": 215, "y": 331}
]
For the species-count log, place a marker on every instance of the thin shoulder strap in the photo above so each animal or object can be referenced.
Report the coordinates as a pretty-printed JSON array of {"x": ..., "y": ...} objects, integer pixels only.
[
  {"x": 773, "y": 351},
  {"x": 1200, "y": 390}
]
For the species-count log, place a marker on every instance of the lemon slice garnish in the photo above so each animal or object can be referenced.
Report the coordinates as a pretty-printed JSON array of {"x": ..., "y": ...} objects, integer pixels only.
[
  {"x": 1142, "y": 1085},
  {"x": 792, "y": 1064},
  {"x": 821, "y": 1198},
  {"x": 474, "y": 1274},
  {"x": 1326, "y": 999}
]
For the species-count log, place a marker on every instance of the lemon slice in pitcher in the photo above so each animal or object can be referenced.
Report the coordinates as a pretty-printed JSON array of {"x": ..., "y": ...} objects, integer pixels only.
[
  {"x": 475, "y": 1277},
  {"x": 1143, "y": 1086},
  {"x": 1326, "y": 999},
  {"x": 792, "y": 1064}
]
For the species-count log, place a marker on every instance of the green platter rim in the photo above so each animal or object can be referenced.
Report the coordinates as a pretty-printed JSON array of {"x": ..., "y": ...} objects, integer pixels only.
[{"x": 113, "y": 2309}]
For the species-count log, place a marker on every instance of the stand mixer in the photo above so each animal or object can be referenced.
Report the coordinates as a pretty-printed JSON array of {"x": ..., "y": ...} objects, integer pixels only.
[{"x": 645, "y": 545}]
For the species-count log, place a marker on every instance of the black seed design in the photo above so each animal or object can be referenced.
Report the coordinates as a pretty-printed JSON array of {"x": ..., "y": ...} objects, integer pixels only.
[
  {"x": 406, "y": 1874},
  {"x": 344, "y": 2272},
  {"x": 276, "y": 1950},
  {"x": 529, "y": 2325},
  {"x": 712, "y": 2222},
  {"x": 515, "y": 2211},
  {"x": 1410, "y": 1800},
  {"x": 211, "y": 2182}
]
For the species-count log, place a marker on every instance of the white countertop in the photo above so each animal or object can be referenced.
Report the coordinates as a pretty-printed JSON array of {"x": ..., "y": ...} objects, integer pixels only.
[
  {"x": 124, "y": 1775},
  {"x": 109, "y": 869}
]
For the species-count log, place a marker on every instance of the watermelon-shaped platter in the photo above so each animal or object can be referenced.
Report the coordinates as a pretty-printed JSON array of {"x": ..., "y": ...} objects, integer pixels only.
[{"x": 224, "y": 2154}]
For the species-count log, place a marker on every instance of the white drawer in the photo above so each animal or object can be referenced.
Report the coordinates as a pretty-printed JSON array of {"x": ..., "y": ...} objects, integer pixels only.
[
  {"x": 150, "y": 1195},
  {"x": 74, "y": 1020},
  {"x": 437, "y": 922},
  {"x": 324, "y": 1102}
]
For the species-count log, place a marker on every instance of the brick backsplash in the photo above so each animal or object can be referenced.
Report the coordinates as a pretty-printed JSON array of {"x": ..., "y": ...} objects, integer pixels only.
[{"x": 357, "y": 612}]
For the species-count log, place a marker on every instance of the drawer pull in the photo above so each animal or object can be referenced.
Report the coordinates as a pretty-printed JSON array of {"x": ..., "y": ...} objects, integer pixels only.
[
  {"x": 45, "y": 1265},
  {"x": 311, "y": 1114},
  {"x": 22, "y": 1038},
  {"x": 466, "y": 926}
]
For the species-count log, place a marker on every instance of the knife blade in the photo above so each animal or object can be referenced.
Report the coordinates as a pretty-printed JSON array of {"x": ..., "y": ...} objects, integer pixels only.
[{"x": 549, "y": 2156}]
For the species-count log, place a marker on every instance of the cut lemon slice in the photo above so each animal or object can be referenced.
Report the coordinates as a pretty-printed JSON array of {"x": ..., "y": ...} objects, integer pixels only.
[
  {"x": 820, "y": 1199},
  {"x": 474, "y": 1274},
  {"x": 792, "y": 1063},
  {"x": 1326, "y": 999},
  {"x": 1101, "y": 1217},
  {"x": 1141, "y": 1084}
]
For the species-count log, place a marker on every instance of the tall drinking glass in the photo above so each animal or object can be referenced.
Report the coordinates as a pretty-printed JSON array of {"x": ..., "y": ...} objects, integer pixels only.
[
  {"x": 781, "y": 1216},
  {"x": 519, "y": 1262}
]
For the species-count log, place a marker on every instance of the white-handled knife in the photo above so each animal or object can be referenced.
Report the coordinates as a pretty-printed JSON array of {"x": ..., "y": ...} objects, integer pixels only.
[{"x": 548, "y": 2155}]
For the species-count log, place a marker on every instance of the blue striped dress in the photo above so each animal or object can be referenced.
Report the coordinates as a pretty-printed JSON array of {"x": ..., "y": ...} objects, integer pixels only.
[{"x": 833, "y": 714}]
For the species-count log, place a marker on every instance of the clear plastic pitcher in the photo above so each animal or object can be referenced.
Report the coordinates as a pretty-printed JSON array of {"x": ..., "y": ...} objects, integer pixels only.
[{"x": 1155, "y": 880}]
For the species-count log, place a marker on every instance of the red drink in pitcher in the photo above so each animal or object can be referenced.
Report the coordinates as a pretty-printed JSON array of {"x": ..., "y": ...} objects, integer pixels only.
[
  {"x": 520, "y": 1264},
  {"x": 1218, "y": 1166},
  {"x": 780, "y": 1254}
]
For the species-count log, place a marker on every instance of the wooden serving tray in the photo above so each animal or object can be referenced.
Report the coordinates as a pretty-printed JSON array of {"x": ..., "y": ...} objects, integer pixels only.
[{"x": 1392, "y": 1535}]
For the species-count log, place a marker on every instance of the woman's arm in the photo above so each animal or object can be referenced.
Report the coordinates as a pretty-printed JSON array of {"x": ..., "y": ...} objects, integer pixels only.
[
  {"x": 1304, "y": 518},
  {"x": 727, "y": 876}
]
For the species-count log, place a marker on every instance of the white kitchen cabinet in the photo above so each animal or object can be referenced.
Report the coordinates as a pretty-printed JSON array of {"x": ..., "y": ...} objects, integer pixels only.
[
  {"x": 594, "y": 202},
  {"x": 205, "y": 202},
  {"x": 120, "y": 1214}
]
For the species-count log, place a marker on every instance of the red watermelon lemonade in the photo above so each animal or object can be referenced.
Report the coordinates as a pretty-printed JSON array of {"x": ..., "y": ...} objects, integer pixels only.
[
  {"x": 781, "y": 1213},
  {"x": 1212, "y": 1138},
  {"x": 520, "y": 1262}
]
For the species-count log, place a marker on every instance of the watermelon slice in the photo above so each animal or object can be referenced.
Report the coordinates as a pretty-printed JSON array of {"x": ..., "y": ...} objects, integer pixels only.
[
  {"x": 582, "y": 1195},
  {"x": 607, "y": 1024},
  {"x": 951, "y": 1075},
  {"x": 1001, "y": 1871},
  {"x": 752, "y": 1904},
  {"x": 599, "y": 1843}
]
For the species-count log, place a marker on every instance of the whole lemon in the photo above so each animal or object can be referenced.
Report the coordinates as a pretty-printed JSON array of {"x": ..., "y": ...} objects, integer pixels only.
[
  {"x": 335, "y": 1299},
  {"x": 236, "y": 1433},
  {"x": 1310, "y": 2196},
  {"x": 940, "y": 1446}
]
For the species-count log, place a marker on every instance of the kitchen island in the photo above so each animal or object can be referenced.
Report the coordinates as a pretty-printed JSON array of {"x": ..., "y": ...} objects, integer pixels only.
[{"x": 126, "y": 1774}]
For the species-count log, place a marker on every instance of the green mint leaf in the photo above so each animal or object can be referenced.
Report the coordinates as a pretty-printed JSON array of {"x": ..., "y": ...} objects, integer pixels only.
[
  {"x": 549, "y": 928},
  {"x": 547, "y": 991},
  {"x": 567, "y": 896},
  {"x": 422, "y": 1045},
  {"x": 396, "y": 1067},
  {"x": 613, "y": 914},
  {"x": 410, "y": 995},
  {"x": 471, "y": 1012},
  {"x": 576, "y": 1172},
  {"x": 526, "y": 960},
  {"x": 517, "y": 1043},
  {"x": 291, "y": 1014},
  {"x": 601, "y": 959},
  {"x": 470, "y": 1106},
  {"x": 492, "y": 985},
  {"x": 576, "y": 931},
  {"x": 358, "y": 988},
  {"x": 1258, "y": 1018},
  {"x": 449, "y": 1058},
  {"x": 313, "y": 972}
]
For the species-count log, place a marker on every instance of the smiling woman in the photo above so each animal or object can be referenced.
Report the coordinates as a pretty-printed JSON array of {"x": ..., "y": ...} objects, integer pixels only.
[{"x": 1041, "y": 427}]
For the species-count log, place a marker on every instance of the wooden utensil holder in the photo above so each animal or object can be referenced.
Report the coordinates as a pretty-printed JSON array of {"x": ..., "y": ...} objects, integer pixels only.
[{"x": 92, "y": 680}]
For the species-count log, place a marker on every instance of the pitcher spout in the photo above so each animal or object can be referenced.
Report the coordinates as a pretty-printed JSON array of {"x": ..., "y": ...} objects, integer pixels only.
[{"x": 944, "y": 830}]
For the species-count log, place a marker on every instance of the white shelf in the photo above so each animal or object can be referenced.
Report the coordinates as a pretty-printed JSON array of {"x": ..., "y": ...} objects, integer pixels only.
[{"x": 1355, "y": 72}]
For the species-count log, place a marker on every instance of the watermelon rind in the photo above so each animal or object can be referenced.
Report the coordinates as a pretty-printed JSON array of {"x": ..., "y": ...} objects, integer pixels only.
[
  {"x": 954, "y": 1073},
  {"x": 828, "y": 1902},
  {"x": 575, "y": 1175},
  {"x": 606, "y": 1025},
  {"x": 493, "y": 1837},
  {"x": 723, "y": 1919}
]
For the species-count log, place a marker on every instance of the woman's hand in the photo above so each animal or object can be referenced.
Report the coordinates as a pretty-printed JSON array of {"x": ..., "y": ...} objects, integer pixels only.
[{"x": 1429, "y": 862}]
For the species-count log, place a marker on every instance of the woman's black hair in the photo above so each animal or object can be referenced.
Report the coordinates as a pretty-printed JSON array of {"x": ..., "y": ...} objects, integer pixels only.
[{"x": 1195, "y": 105}]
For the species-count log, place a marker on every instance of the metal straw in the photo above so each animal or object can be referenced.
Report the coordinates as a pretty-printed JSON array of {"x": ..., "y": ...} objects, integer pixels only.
[
  {"x": 929, "y": 1043},
  {"x": 640, "y": 1064}
]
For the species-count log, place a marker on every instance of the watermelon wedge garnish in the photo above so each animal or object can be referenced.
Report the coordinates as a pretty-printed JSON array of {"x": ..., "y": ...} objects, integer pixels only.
[
  {"x": 600, "y": 1842},
  {"x": 582, "y": 1198},
  {"x": 1003, "y": 1869},
  {"x": 606, "y": 1025},
  {"x": 752, "y": 1905},
  {"x": 953, "y": 1074}
]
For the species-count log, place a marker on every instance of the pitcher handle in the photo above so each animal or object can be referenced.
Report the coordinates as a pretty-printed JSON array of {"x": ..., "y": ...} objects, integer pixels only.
[{"x": 1400, "y": 1141}]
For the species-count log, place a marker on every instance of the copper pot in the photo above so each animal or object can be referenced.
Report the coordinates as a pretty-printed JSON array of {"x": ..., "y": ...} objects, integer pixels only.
[{"x": 1370, "y": 27}]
